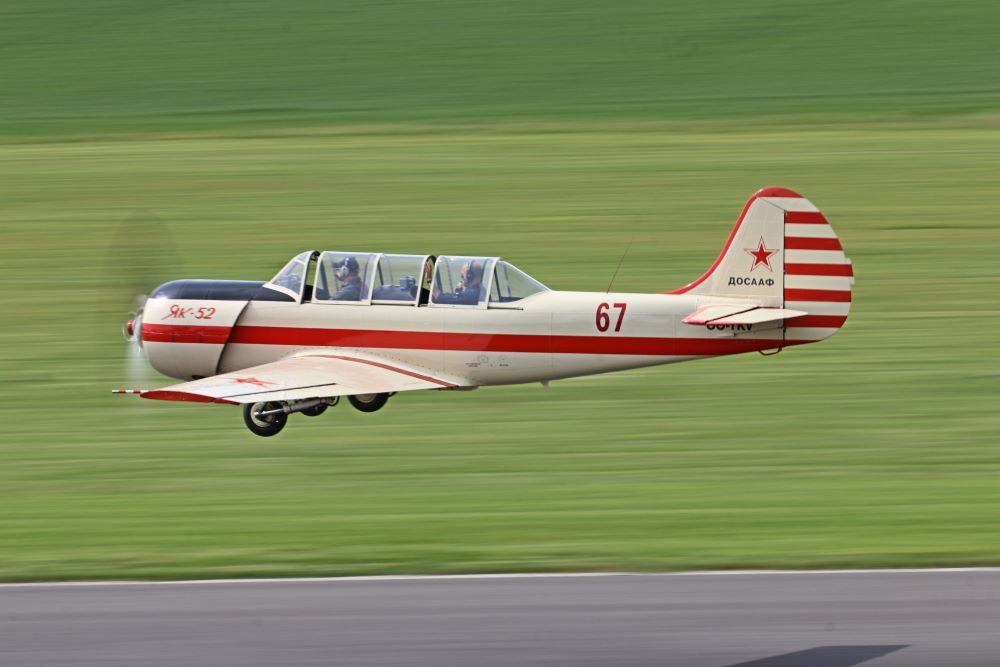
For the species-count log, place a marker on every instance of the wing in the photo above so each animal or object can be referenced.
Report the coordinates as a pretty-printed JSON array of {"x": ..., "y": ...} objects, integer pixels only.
[{"x": 308, "y": 375}]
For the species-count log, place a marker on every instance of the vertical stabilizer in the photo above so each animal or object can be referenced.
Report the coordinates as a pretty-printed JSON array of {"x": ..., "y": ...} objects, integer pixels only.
[{"x": 783, "y": 253}]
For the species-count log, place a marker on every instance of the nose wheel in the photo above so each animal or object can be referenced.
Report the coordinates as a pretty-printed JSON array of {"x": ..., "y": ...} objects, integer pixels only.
[{"x": 264, "y": 419}]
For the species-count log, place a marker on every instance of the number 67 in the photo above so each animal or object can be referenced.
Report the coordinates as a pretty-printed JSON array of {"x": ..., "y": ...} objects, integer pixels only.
[{"x": 603, "y": 320}]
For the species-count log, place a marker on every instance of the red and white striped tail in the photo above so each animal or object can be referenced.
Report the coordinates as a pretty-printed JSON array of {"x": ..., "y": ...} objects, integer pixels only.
[
  {"x": 818, "y": 275},
  {"x": 784, "y": 254}
]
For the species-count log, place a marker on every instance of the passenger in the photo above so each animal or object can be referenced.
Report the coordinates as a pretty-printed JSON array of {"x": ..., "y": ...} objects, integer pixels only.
[
  {"x": 347, "y": 274},
  {"x": 469, "y": 292}
]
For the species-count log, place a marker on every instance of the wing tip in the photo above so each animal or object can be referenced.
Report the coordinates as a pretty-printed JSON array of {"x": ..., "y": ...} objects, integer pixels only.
[{"x": 184, "y": 396}]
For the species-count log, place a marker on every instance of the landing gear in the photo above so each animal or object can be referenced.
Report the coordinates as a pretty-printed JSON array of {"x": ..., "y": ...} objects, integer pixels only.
[
  {"x": 368, "y": 402},
  {"x": 316, "y": 410},
  {"x": 265, "y": 419}
]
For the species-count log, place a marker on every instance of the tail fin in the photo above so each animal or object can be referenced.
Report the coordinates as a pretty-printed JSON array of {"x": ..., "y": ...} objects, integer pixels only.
[{"x": 783, "y": 253}]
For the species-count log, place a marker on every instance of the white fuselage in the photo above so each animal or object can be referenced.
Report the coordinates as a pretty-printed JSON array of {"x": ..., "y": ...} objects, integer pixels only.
[{"x": 545, "y": 336}]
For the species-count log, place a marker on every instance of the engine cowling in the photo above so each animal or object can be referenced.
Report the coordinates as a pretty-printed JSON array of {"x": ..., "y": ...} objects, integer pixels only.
[{"x": 187, "y": 323}]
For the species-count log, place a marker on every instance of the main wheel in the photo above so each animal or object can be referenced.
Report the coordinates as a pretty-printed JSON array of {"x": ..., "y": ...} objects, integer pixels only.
[
  {"x": 316, "y": 410},
  {"x": 264, "y": 425},
  {"x": 368, "y": 402}
]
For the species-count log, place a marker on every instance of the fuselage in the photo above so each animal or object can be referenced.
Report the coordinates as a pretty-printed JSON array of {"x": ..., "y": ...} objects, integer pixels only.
[
  {"x": 546, "y": 336},
  {"x": 483, "y": 321}
]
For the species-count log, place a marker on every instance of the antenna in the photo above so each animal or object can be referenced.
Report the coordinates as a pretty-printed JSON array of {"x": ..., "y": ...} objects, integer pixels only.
[{"x": 615, "y": 275}]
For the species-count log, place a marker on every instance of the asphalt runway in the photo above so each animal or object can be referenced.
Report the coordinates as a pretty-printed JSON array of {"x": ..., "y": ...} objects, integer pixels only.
[{"x": 816, "y": 619}]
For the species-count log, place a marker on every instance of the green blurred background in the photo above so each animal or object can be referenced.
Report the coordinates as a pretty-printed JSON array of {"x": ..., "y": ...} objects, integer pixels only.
[{"x": 143, "y": 141}]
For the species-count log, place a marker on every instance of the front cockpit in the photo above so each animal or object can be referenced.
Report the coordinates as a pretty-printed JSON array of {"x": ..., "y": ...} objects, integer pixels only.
[{"x": 362, "y": 278}]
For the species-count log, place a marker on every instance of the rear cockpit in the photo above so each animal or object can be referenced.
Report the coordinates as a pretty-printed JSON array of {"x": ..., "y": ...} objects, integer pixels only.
[{"x": 360, "y": 278}]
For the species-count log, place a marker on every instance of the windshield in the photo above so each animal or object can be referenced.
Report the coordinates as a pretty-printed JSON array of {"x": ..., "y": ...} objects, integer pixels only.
[
  {"x": 512, "y": 284},
  {"x": 291, "y": 278}
]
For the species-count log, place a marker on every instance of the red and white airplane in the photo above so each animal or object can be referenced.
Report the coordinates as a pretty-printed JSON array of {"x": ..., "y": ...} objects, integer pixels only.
[{"x": 370, "y": 325}]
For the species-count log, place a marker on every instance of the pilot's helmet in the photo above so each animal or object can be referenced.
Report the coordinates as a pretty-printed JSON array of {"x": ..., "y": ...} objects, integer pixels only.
[
  {"x": 346, "y": 267},
  {"x": 471, "y": 271}
]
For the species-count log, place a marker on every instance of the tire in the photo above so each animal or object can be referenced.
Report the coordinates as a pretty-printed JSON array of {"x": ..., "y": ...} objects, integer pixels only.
[
  {"x": 316, "y": 410},
  {"x": 368, "y": 402},
  {"x": 264, "y": 426}
]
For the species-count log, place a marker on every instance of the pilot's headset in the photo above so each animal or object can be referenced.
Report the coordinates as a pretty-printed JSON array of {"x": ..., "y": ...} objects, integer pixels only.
[{"x": 346, "y": 267}]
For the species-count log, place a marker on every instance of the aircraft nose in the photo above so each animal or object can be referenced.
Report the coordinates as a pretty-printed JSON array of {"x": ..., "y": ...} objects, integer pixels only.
[{"x": 132, "y": 329}]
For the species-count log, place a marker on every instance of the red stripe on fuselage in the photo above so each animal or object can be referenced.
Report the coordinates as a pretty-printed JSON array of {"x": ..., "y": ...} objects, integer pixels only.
[
  {"x": 819, "y": 270},
  {"x": 805, "y": 218},
  {"x": 184, "y": 333},
  {"x": 488, "y": 342}
]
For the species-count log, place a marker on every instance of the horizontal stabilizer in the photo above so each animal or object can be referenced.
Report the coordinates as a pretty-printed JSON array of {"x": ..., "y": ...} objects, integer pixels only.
[
  {"x": 707, "y": 314},
  {"x": 740, "y": 315}
]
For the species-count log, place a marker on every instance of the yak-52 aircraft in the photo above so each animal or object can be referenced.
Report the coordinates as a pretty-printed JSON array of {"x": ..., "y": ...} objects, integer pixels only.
[{"x": 368, "y": 325}]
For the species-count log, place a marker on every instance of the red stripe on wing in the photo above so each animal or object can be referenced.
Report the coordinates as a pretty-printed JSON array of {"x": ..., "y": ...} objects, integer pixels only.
[
  {"x": 185, "y": 396},
  {"x": 388, "y": 367}
]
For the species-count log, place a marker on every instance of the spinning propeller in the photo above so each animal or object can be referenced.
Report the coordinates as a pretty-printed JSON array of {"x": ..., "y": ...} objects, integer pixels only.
[{"x": 140, "y": 257}]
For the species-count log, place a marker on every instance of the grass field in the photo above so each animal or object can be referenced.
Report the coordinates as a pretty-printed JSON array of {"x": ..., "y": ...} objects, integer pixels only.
[{"x": 550, "y": 134}]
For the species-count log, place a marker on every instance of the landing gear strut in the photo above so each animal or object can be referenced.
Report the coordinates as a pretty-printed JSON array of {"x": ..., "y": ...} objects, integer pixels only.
[{"x": 320, "y": 408}]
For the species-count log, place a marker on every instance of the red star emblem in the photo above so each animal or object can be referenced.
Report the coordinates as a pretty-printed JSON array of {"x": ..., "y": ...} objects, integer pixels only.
[
  {"x": 253, "y": 381},
  {"x": 761, "y": 255}
]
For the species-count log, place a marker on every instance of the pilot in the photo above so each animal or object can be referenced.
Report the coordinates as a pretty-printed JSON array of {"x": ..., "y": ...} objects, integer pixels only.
[
  {"x": 470, "y": 291},
  {"x": 347, "y": 274}
]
